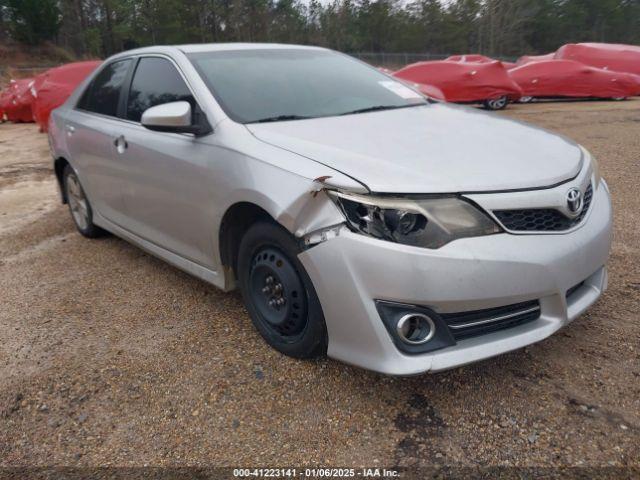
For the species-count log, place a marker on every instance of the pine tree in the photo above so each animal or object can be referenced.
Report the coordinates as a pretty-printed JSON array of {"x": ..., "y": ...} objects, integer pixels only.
[{"x": 32, "y": 21}]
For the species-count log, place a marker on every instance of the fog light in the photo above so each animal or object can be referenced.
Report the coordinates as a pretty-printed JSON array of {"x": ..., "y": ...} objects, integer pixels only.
[{"x": 416, "y": 328}]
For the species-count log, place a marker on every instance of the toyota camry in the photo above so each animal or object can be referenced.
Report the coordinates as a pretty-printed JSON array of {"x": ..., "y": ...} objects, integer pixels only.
[{"x": 358, "y": 218}]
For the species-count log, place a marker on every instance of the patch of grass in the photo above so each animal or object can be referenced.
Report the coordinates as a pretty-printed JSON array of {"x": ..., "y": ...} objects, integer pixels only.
[{"x": 20, "y": 61}]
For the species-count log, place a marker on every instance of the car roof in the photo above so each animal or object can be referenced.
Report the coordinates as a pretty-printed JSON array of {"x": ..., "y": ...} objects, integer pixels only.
[{"x": 212, "y": 47}]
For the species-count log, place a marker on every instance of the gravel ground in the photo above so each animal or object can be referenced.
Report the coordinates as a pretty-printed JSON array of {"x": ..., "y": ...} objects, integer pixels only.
[{"x": 111, "y": 357}]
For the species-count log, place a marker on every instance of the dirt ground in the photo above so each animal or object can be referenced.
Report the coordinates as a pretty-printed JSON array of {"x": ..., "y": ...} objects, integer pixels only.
[{"x": 111, "y": 357}]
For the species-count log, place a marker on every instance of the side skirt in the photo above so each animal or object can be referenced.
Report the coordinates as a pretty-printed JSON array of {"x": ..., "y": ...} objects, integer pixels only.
[{"x": 210, "y": 276}]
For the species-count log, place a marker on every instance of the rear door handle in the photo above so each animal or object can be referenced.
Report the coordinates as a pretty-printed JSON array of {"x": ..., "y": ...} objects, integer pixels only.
[{"x": 121, "y": 144}]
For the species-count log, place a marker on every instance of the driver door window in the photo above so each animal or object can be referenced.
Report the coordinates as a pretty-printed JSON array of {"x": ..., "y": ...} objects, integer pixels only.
[{"x": 156, "y": 81}]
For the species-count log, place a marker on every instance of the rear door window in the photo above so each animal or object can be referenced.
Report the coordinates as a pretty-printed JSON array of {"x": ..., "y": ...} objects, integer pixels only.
[
  {"x": 156, "y": 81},
  {"x": 103, "y": 95}
]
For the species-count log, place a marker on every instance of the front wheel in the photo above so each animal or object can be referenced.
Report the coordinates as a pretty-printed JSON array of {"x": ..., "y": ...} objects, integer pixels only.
[
  {"x": 278, "y": 293},
  {"x": 496, "y": 103}
]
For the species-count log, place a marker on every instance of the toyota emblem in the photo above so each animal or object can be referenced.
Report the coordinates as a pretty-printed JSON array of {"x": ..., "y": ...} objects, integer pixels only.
[{"x": 574, "y": 201}]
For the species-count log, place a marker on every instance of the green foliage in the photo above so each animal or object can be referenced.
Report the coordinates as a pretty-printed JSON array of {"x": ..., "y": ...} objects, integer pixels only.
[
  {"x": 31, "y": 21},
  {"x": 493, "y": 27}
]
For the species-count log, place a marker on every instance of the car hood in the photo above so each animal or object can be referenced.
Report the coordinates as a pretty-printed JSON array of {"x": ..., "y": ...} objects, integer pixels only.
[{"x": 435, "y": 148}]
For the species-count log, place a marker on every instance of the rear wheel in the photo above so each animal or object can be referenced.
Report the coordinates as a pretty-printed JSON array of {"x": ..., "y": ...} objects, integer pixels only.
[
  {"x": 619, "y": 99},
  {"x": 496, "y": 103},
  {"x": 278, "y": 293},
  {"x": 525, "y": 99},
  {"x": 79, "y": 205}
]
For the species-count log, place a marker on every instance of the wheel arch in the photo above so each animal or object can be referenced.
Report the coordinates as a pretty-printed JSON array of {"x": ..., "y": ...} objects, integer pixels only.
[
  {"x": 59, "y": 165},
  {"x": 235, "y": 222}
]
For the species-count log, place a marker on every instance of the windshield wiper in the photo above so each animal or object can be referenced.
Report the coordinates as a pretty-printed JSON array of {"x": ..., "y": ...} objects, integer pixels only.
[
  {"x": 283, "y": 118},
  {"x": 280, "y": 118},
  {"x": 378, "y": 108}
]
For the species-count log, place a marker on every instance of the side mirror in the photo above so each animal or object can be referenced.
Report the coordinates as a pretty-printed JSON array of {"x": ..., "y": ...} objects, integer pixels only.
[{"x": 175, "y": 117}]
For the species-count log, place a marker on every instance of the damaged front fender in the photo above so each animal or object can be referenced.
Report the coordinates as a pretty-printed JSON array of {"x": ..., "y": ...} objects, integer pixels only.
[{"x": 313, "y": 212}]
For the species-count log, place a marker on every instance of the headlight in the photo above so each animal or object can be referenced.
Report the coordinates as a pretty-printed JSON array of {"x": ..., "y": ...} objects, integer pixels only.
[
  {"x": 595, "y": 167},
  {"x": 429, "y": 222}
]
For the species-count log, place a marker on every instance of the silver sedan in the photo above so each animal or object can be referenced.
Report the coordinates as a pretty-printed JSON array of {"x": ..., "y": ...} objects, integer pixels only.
[{"x": 358, "y": 218}]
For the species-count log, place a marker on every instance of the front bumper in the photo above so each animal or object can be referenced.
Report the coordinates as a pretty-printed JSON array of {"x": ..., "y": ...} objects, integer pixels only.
[{"x": 351, "y": 271}]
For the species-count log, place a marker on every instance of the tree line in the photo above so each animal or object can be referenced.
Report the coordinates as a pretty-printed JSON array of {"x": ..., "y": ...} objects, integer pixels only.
[{"x": 98, "y": 28}]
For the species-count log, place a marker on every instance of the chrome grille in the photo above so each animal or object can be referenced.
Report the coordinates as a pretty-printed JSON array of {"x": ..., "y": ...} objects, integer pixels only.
[
  {"x": 542, "y": 219},
  {"x": 479, "y": 322}
]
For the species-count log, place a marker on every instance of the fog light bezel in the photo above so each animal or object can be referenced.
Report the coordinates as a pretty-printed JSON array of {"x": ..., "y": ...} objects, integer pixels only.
[
  {"x": 392, "y": 313},
  {"x": 406, "y": 318}
]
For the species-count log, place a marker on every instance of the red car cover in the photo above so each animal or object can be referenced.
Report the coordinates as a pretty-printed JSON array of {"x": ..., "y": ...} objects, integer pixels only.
[
  {"x": 37, "y": 83},
  {"x": 463, "y": 81},
  {"x": 620, "y": 58},
  {"x": 566, "y": 78},
  {"x": 428, "y": 90},
  {"x": 18, "y": 106},
  {"x": 637, "y": 80},
  {"x": 475, "y": 58},
  {"x": 472, "y": 57},
  {"x": 58, "y": 84},
  {"x": 534, "y": 58},
  {"x": 431, "y": 91}
]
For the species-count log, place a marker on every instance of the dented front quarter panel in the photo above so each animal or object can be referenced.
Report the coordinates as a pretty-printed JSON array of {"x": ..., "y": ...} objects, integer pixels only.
[{"x": 286, "y": 185}]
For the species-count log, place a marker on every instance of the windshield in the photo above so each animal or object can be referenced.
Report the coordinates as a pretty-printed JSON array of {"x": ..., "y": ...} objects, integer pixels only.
[{"x": 290, "y": 84}]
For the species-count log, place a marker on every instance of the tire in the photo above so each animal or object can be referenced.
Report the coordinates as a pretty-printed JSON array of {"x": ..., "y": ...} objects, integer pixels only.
[
  {"x": 278, "y": 293},
  {"x": 499, "y": 103},
  {"x": 619, "y": 99},
  {"x": 525, "y": 99},
  {"x": 79, "y": 206}
]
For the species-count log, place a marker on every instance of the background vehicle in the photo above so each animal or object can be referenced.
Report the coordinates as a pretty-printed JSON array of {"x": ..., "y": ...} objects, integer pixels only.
[
  {"x": 55, "y": 86},
  {"x": 566, "y": 78},
  {"x": 466, "y": 82},
  {"x": 609, "y": 56},
  {"x": 523, "y": 60},
  {"x": 16, "y": 101},
  {"x": 475, "y": 58},
  {"x": 428, "y": 90}
]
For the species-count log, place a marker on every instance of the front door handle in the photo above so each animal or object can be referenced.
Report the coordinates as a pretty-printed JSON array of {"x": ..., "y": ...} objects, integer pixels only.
[{"x": 121, "y": 144}]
